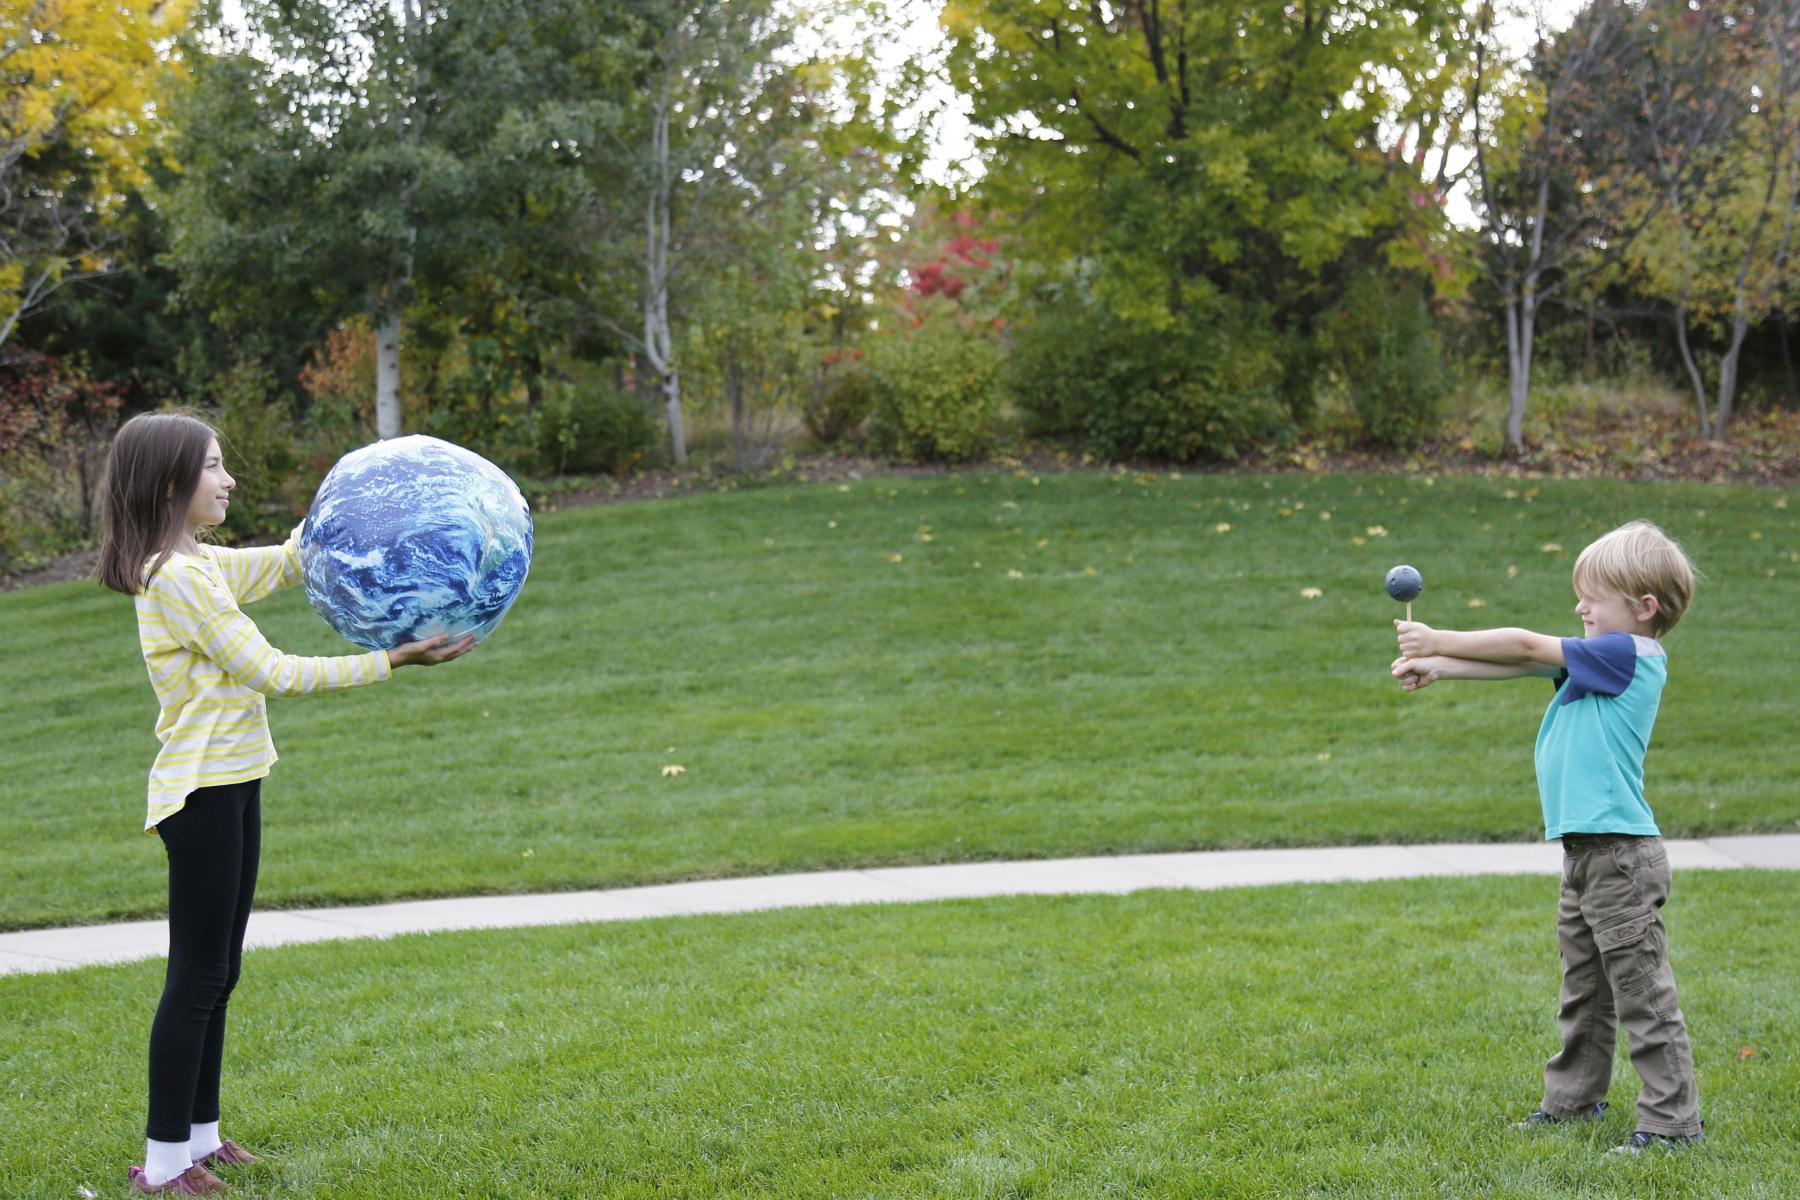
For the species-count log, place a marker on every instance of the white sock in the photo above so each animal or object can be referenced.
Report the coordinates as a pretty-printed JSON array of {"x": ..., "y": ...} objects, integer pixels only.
[
  {"x": 202, "y": 1140},
  {"x": 163, "y": 1161}
]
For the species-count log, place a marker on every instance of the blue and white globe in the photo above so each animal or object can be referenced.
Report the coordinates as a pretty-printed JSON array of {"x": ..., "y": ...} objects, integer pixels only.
[{"x": 412, "y": 537}]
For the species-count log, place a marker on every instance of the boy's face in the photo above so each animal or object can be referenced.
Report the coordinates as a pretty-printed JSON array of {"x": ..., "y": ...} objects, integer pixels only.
[{"x": 1604, "y": 611}]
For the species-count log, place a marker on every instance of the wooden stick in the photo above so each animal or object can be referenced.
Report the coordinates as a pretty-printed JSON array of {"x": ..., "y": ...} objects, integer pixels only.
[{"x": 1409, "y": 610}]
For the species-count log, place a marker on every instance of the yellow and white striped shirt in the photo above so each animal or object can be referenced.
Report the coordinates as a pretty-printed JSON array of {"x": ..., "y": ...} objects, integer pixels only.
[{"x": 211, "y": 668}]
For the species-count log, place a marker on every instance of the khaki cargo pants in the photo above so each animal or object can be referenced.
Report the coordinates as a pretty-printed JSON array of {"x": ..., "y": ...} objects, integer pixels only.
[{"x": 1616, "y": 969}]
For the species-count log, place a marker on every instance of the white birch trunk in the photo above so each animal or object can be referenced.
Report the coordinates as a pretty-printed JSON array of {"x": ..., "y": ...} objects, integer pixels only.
[
  {"x": 387, "y": 370},
  {"x": 1681, "y": 312},
  {"x": 1740, "y": 304},
  {"x": 391, "y": 301},
  {"x": 1522, "y": 324},
  {"x": 1693, "y": 370},
  {"x": 659, "y": 343},
  {"x": 1521, "y": 321}
]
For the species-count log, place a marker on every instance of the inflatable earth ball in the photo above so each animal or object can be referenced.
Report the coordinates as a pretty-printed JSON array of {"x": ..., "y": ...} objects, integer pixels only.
[{"x": 412, "y": 537}]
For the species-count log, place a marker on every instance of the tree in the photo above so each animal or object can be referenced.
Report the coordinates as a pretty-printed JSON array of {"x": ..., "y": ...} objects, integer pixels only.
[
  {"x": 730, "y": 155},
  {"x": 1691, "y": 89},
  {"x": 1773, "y": 146},
  {"x": 1556, "y": 155},
  {"x": 1202, "y": 166},
  {"x": 78, "y": 90},
  {"x": 348, "y": 157},
  {"x": 693, "y": 126}
]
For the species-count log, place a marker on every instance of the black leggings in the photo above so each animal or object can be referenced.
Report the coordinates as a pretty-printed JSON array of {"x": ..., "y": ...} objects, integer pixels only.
[{"x": 213, "y": 844}]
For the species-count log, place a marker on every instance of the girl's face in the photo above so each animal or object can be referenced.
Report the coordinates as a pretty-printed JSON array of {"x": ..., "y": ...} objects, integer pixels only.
[
  {"x": 1603, "y": 611},
  {"x": 212, "y": 495}
]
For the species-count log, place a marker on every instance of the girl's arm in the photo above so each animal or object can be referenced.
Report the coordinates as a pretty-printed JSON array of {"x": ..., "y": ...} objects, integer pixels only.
[
  {"x": 1415, "y": 673},
  {"x": 259, "y": 570},
  {"x": 1518, "y": 646},
  {"x": 195, "y": 612}
]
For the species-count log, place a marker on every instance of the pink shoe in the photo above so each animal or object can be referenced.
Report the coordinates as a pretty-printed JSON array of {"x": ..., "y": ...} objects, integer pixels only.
[
  {"x": 229, "y": 1154},
  {"x": 195, "y": 1181}
]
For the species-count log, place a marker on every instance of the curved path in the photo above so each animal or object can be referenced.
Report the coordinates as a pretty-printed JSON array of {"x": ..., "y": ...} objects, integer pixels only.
[{"x": 42, "y": 950}]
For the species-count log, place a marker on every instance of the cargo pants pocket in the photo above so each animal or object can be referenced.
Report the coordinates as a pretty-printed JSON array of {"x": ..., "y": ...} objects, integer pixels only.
[{"x": 1631, "y": 948}]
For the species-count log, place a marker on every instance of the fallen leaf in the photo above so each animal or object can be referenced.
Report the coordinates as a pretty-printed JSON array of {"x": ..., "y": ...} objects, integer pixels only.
[
  {"x": 672, "y": 770},
  {"x": 1477, "y": 602},
  {"x": 1359, "y": 541},
  {"x": 1015, "y": 574},
  {"x": 1553, "y": 548},
  {"x": 1376, "y": 531},
  {"x": 894, "y": 558},
  {"x": 1311, "y": 593},
  {"x": 1512, "y": 571},
  {"x": 1745, "y": 1052},
  {"x": 1222, "y": 527},
  {"x": 527, "y": 853}
]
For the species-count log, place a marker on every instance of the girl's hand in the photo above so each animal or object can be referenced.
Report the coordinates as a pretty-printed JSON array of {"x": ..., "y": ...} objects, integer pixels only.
[
  {"x": 1417, "y": 639},
  {"x": 1414, "y": 674},
  {"x": 430, "y": 651}
]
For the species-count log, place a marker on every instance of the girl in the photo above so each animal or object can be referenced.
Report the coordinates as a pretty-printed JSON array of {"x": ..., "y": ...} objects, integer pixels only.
[{"x": 166, "y": 488}]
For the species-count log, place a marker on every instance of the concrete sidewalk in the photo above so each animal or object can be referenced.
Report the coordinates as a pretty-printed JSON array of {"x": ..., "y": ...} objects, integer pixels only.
[{"x": 61, "y": 949}]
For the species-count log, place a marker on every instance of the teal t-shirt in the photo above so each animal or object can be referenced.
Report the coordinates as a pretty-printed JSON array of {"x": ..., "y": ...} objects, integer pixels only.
[{"x": 1590, "y": 748}]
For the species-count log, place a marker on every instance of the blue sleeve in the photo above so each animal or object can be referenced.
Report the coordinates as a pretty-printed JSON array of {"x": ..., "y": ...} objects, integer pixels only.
[{"x": 1600, "y": 666}]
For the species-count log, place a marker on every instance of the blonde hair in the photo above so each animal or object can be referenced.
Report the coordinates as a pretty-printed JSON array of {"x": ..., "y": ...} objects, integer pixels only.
[{"x": 1639, "y": 559}]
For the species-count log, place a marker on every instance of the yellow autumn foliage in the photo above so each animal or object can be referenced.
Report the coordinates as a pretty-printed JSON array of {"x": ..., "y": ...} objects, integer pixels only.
[{"x": 83, "y": 74}]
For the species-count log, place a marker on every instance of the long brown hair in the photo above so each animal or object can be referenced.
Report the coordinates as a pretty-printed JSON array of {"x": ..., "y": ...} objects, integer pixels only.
[{"x": 151, "y": 473}]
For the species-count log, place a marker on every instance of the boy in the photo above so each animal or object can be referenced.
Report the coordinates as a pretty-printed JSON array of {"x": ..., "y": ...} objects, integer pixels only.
[{"x": 1632, "y": 586}]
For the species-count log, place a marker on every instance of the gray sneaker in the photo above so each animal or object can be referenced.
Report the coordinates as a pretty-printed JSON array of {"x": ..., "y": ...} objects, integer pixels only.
[
  {"x": 1641, "y": 1141},
  {"x": 1543, "y": 1120}
]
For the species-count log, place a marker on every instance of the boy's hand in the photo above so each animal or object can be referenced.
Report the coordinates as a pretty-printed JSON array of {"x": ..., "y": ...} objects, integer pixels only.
[
  {"x": 429, "y": 652},
  {"x": 1415, "y": 673},
  {"x": 1417, "y": 639}
]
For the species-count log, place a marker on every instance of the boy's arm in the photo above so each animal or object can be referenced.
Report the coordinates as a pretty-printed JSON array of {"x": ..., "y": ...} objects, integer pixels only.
[
  {"x": 1512, "y": 646},
  {"x": 1415, "y": 673}
]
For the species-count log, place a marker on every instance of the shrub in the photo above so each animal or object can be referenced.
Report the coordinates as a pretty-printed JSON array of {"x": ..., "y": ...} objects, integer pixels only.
[
  {"x": 842, "y": 404},
  {"x": 477, "y": 399},
  {"x": 55, "y": 425},
  {"x": 936, "y": 388},
  {"x": 257, "y": 437},
  {"x": 1381, "y": 342},
  {"x": 1207, "y": 390},
  {"x": 588, "y": 427}
]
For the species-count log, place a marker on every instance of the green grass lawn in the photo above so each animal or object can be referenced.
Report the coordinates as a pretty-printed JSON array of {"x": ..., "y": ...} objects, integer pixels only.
[
  {"x": 1355, "y": 1041},
  {"x": 893, "y": 671}
]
